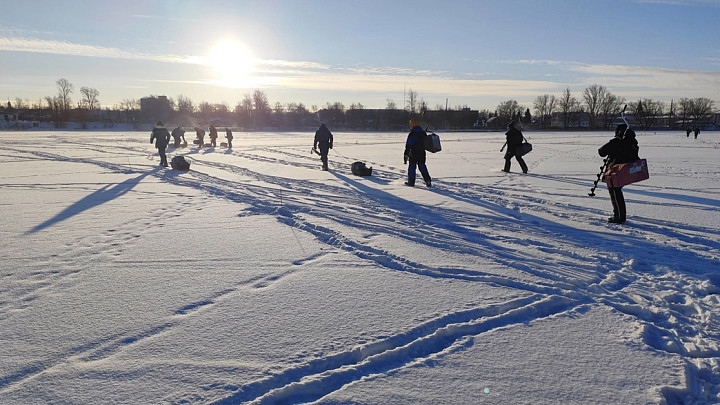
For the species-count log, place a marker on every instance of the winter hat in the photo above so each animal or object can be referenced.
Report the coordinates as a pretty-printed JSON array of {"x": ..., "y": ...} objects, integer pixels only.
[
  {"x": 620, "y": 130},
  {"x": 414, "y": 123}
]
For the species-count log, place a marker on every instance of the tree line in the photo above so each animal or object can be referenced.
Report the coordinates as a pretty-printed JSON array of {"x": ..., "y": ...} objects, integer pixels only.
[{"x": 596, "y": 105}]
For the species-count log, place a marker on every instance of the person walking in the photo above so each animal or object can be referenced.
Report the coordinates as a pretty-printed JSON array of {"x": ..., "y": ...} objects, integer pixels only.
[
  {"x": 697, "y": 132},
  {"x": 229, "y": 136},
  {"x": 414, "y": 155},
  {"x": 161, "y": 136},
  {"x": 178, "y": 134},
  {"x": 200, "y": 134},
  {"x": 323, "y": 140},
  {"x": 623, "y": 148},
  {"x": 514, "y": 138},
  {"x": 213, "y": 136}
]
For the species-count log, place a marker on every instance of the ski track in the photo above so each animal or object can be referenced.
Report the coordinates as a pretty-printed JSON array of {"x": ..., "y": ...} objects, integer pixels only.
[{"x": 512, "y": 233}]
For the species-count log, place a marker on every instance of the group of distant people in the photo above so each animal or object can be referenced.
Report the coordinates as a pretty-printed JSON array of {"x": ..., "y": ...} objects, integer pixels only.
[
  {"x": 696, "y": 131},
  {"x": 161, "y": 137},
  {"x": 623, "y": 148}
]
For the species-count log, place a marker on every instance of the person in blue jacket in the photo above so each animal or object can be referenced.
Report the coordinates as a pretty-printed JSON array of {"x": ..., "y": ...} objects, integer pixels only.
[
  {"x": 415, "y": 154},
  {"x": 161, "y": 136}
]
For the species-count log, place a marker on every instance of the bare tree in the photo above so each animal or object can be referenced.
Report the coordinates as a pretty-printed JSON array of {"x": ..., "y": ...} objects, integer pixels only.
[
  {"x": 54, "y": 107},
  {"x": 544, "y": 106},
  {"x": 567, "y": 104},
  {"x": 412, "y": 101},
  {"x": 185, "y": 105},
  {"x": 646, "y": 112},
  {"x": 594, "y": 97},
  {"x": 610, "y": 109},
  {"x": 90, "y": 98},
  {"x": 702, "y": 108},
  {"x": 509, "y": 109},
  {"x": 390, "y": 105},
  {"x": 21, "y": 104},
  {"x": 65, "y": 88}
]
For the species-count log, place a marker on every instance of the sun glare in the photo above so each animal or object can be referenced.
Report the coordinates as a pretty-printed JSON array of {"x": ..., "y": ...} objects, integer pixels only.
[{"x": 232, "y": 63}]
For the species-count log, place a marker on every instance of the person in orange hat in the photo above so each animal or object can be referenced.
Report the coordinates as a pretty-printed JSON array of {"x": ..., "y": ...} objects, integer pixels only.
[{"x": 414, "y": 154}]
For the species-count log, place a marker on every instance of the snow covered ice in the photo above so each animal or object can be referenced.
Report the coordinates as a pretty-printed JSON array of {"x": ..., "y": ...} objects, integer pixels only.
[{"x": 258, "y": 278}]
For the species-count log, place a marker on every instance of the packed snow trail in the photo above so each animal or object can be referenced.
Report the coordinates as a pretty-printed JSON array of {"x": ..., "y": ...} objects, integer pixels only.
[{"x": 505, "y": 232}]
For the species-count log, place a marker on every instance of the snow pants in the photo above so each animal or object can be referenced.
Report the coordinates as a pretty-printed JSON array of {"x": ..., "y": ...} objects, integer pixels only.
[
  {"x": 618, "y": 202},
  {"x": 412, "y": 167},
  {"x": 163, "y": 157}
]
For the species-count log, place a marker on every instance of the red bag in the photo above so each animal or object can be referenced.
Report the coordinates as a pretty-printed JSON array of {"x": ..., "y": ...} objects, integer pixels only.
[{"x": 626, "y": 173}]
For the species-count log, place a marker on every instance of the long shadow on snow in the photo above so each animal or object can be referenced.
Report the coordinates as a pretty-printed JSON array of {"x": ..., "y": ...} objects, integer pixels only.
[{"x": 96, "y": 198}]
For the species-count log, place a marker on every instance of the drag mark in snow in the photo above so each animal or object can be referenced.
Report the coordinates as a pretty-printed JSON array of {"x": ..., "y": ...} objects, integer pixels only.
[{"x": 321, "y": 377}]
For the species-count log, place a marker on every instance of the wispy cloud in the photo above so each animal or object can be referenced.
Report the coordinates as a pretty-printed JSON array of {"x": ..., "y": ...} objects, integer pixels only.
[{"x": 32, "y": 45}]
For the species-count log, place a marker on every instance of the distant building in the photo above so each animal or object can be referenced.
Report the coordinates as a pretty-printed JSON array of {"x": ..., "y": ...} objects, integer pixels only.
[
  {"x": 575, "y": 120},
  {"x": 155, "y": 109},
  {"x": 8, "y": 116}
]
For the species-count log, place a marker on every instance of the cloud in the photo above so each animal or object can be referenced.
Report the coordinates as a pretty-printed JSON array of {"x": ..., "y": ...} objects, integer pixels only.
[
  {"x": 644, "y": 78},
  {"x": 32, "y": 45}
]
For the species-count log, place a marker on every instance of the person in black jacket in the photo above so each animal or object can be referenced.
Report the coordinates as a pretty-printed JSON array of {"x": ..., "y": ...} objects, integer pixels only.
[
  {"x": 514, "y": 139},
  {"x": 213, "y": 136},
  {"x": 415, "y": 154},
  {"x": 178, "y": 134},
  {"x": 323, "y": 139},
  {"x": 200, "y": 134},
  {"x": 621, "y": 149},
  {"x": 229, "y": 136},
  {"x": 161, "y": 136}
]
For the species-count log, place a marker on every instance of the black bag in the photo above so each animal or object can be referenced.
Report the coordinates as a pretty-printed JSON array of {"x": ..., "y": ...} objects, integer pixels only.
[
  {"x": 432, "y": 143},
  {"x": 359, "y": 169},
  {"x": 179, "y": 163},
  {"x": 523, "y": 149}
]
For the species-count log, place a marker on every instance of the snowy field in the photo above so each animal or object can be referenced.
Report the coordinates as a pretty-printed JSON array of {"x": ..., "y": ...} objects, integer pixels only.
[{"x": 258, "y": 278}]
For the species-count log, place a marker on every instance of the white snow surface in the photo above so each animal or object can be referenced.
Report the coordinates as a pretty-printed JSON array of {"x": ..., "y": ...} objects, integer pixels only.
[{"x": 258, "y": 278}]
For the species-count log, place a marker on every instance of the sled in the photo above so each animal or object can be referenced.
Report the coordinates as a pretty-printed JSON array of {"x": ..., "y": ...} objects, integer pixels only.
[
  {"x": 623, "y": 174},
  {"x": 196, "y": 141},
  {"x": 179, "y": 163},
  {"x": 359, "y": 169},
  {"x": 224, "y": 144},
  {"x": 432, "y": 143}
]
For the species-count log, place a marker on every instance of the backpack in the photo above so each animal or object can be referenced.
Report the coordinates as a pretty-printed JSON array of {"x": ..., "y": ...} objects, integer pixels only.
[
  {"x": 359, "y": 169},
  {"x": 432, "y": 143},
  {"x": 179, "y": 163}
]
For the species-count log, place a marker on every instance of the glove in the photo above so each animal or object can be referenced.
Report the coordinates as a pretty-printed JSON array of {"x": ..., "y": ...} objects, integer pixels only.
[
  {"x": 330, "y": 146},
  {"x": 406, "y": 156}
]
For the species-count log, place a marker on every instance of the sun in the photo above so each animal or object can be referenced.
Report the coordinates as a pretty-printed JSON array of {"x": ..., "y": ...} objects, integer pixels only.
[{"x": 232, "y": 62}]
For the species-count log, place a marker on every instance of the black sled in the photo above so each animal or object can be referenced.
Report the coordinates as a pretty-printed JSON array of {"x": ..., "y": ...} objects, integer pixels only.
[
  {"x": 359, "y": 169},
  {"x": 179, "y": 163}
]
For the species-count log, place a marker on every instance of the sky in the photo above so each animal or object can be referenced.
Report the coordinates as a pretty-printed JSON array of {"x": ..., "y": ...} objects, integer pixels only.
[{"x": 474, "y": 53}]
